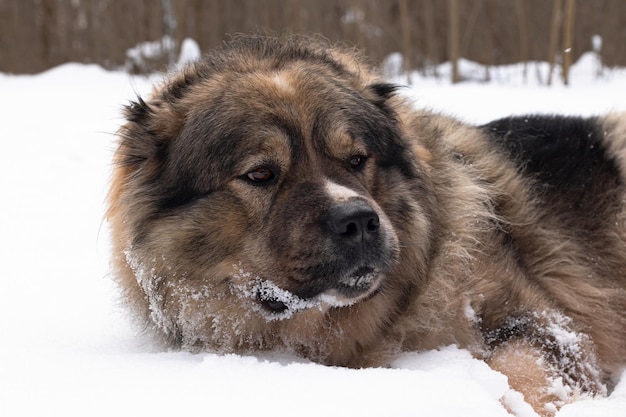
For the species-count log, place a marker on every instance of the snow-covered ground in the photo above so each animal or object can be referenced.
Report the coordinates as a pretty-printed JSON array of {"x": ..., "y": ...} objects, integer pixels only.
[{"x": 66, "y": 347}]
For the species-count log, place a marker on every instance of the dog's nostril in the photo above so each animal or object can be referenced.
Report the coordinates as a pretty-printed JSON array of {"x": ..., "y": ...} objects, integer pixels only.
[
  {"x": 373, "y": 224},
  {"x": 350, "y": 229}
]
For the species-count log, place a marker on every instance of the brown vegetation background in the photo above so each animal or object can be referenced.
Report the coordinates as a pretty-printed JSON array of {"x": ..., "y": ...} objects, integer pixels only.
[{"x": 38, "y": 34}]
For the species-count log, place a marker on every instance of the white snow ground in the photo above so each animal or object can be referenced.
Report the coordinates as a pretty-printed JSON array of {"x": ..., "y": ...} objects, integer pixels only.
[{"x": 66, "y": 347}]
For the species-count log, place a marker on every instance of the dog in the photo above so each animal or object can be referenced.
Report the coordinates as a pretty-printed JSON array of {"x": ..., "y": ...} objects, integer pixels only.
[{"x": 280, "y": 195}]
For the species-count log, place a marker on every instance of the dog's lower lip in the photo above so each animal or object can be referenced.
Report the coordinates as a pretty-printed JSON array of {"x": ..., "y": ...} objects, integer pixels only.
[
  {"x": 361, "y": 277},
  {"x": 363, "y": 283}
]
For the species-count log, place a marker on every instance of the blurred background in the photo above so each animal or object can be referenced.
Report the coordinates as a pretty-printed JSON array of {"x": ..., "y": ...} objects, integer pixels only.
[{"x": 142, "y": 36}]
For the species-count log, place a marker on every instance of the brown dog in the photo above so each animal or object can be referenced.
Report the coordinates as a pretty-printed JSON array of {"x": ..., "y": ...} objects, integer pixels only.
[{"x": 279, "y": 195}]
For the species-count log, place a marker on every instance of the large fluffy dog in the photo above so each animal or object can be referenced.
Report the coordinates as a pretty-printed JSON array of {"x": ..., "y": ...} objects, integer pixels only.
[{"x": 279, "y": 195}]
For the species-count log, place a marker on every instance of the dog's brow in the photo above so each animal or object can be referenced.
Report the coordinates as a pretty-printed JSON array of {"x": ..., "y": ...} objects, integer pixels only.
[{"x": 339, "y": 141}]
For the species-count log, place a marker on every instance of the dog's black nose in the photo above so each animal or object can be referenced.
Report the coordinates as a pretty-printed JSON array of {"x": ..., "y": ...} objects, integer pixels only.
[{"x": 355, "y": 220}]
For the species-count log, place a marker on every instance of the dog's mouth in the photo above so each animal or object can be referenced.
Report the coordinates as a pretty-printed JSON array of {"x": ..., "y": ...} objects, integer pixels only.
[
  {"x": 278, "y": 304},
  {"x": 349, "y": 289},
  {"x": 357, "y": 285}
]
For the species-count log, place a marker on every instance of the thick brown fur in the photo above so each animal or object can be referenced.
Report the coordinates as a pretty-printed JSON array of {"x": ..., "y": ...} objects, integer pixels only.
[{"x": 279, "y": 195}]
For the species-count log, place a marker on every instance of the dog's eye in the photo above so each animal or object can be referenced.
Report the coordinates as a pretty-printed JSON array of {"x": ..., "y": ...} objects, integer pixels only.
[
  {"x": 261, "y": 175},
  {"x": 357, "y": 161}
]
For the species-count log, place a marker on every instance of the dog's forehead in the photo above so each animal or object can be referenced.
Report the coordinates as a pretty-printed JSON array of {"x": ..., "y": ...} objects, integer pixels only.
[
  {"x": 282, "y": 82},
  {"x": 308, "y": 111},
  {"x": 300, "y": 104}
]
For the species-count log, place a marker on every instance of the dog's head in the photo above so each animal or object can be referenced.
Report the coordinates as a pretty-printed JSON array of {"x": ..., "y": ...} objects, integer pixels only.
[{"x": 269, "y": 180}]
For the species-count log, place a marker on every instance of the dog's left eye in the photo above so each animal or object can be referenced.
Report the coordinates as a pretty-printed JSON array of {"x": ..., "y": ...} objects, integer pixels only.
[
  {"x": 357, "y": 161},
  {"x": 261, "y": 175}
]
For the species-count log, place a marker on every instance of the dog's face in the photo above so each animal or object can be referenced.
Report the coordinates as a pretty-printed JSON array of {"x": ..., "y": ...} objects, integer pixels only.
[
  {"x": 296, "y": 176},
  {"x": 265, "y": 196}
]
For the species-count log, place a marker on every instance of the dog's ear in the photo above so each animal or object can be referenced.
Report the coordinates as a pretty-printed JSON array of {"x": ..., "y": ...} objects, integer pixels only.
[
  {"x": 150, "y": 126},
  {"x": 138, "y": 141},
  {"x": 137, "y": 111},
  {"x": 382, "y": 93},
  {"x": 384, "y": 90}
]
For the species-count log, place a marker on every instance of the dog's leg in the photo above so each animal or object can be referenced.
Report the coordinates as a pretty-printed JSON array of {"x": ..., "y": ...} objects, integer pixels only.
[{"x": 528, "y": 373}]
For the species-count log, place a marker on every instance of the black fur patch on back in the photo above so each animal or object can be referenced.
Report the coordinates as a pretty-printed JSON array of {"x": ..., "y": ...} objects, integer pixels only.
[
  {"x": 564, "y": 152},
  {"x": 565, "y": 157}
]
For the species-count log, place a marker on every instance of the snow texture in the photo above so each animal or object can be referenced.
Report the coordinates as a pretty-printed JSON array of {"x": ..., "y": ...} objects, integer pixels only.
[
  {"x": 67, "y": 347},
  {"x": 259, "y": 288},
  {"x": 267, "y": 290},
  {"x": 189, "y": 52}
]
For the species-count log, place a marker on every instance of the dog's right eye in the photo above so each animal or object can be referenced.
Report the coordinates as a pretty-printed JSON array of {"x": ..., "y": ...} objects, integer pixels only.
[
  {"x": 261, "y": 175},
  {"x": 357, "y": 162}
]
